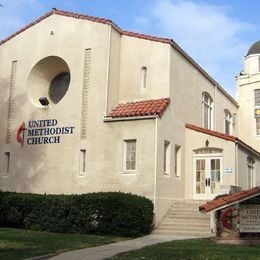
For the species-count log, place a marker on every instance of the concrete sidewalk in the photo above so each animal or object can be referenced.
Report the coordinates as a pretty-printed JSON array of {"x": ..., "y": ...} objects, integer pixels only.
[{"x": 102, "y": 252}]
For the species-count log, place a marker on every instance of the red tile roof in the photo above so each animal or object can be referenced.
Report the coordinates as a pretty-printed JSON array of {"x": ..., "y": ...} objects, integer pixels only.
[
  {"x": 131, "y": 34},
  {"x": 150, "y": 107},
  {"x": 223, "y": 136},
  {"x": 89, "y": 18},
  {"x": 148, "y": 37},
  {"x": 211, "y": 132},
  {"x": 229, "y": 200}
]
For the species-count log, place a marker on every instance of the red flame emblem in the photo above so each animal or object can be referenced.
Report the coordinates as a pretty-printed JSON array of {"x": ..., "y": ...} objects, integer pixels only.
[{"x": 20, "y": 134}]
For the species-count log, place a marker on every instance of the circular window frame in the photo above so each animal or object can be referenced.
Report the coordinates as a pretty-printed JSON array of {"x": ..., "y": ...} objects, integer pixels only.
[{"x": 41, "y": 78}]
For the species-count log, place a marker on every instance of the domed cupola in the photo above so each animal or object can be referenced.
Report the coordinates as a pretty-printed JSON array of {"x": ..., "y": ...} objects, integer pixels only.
[
  {"x": 252, "y": 60},
  {"x": 254, "y": 49}
]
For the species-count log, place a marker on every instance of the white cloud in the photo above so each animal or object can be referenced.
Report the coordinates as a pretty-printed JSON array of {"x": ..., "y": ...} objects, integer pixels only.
[{"x": 207, "y": 32}]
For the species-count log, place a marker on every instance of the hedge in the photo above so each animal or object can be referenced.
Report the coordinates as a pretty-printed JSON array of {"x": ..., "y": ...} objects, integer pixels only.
[{"x": 114, "y": 213}]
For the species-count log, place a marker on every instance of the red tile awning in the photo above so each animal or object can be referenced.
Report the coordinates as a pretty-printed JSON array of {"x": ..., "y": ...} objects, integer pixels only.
[
  {"x": 223, "y": 136},
  {"x": 151, "y": 107},
  {"x": 229, "y": 200}
]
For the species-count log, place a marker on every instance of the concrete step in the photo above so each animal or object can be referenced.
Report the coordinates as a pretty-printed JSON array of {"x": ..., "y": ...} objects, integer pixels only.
[
  {"x": 186, "y": 224},
  {"x": 184, "y": 228},
  {"x": 191, "y": 210},
  {"x": 180, "y": 221},
  {"x": 184, "y": 233},
  {"x": 184, "y": 218}
]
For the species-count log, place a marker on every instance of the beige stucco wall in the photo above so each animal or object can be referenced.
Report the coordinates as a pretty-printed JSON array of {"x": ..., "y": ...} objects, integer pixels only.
[
  {"x": 187, "y": 86},
  {"x": 54, "y": 168},
  {"x": 251, "y": 64},
  {"x": 246, "y": 85},
  {"x": 196, "y": 140},
  {"x": 113, "y": 72},
  {"x": 169, "y": 187},
  {"x": 135, "y": 54},
  {"x": 242, "y": 176}
]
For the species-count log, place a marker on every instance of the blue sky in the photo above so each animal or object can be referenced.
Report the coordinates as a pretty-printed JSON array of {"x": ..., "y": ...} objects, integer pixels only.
[{"x": 216, "y": 33}]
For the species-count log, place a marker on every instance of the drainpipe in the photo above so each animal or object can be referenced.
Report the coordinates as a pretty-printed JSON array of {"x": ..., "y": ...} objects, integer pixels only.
[
  {"x": 108, "y": 68},
  {"x": 155, "y": 170},
  {"x": 236, "y": 163}
]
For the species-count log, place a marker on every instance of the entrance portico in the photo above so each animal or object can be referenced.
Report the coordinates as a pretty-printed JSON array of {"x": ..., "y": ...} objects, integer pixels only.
[{"x": 207, "y": 173}]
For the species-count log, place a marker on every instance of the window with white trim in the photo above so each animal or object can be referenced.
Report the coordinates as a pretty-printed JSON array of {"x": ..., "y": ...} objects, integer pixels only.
[
  {"x": 129, "y": 156},
  {"x": 207, "y": 111},
  {"x": 250, "y": 172},
  {"x": 177, "y": 167},
  {"x": 227, "y": 122},
  {"x": 257, "y": 111},
  {"x": 82, "y": 162},
  {"x": 143, "y": 79},
  {"x": 166, "y": 158}
]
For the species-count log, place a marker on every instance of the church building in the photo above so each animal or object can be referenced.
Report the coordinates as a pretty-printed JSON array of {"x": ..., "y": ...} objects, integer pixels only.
[{"x": 87, "y": 106}]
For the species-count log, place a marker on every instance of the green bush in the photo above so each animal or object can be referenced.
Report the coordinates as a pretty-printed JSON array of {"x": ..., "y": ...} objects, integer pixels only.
[{"x": 98, "y": 213}]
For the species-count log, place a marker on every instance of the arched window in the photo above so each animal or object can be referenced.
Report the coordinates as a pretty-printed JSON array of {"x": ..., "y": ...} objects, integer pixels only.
[
  {"x": 227, "y": 122},
  {"x": 143, "y": 79},
  {"x": 207, "y": 111},
  {"x": 250, "y": 172}
]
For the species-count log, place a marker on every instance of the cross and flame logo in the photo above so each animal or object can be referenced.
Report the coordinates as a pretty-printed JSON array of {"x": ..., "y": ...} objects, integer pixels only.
[{"x": 20, "y": 134}]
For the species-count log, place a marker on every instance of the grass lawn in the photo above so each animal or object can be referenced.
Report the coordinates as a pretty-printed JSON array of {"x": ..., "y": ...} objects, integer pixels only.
[
  {"x": 193, "y": 249},
  {"x": 21, "y": 244}
]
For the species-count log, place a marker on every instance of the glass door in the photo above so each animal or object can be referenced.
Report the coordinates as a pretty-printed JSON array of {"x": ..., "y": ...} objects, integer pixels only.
[{"x": 207, "y": 177}]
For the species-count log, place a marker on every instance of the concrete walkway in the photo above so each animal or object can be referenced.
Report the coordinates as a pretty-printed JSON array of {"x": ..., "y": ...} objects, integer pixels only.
[{"x": 103, "y": 252}]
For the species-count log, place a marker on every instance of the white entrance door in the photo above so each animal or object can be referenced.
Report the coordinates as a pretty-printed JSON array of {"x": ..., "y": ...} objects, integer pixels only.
[{"x": 207, "y": 177}]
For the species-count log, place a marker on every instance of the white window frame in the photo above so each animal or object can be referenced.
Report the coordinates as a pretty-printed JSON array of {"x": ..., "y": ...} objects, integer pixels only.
[
  {"x": 166, "y": 158},
  {"x": 227, "y": 122},
  {"x": 143, "y": 79},
  {"x": 177, "y": 161},
  {"x": 126, "y": 170},
  {"x": 207, "y": 106},
  {"x": 250, "y": 173},
  {"x": 257, "y": 126},
  {"x": 207, "y": 154},
  {"x": 256, "y": 111}
]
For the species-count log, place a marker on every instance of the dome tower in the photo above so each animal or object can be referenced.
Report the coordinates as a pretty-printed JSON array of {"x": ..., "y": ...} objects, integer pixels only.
[
  {"x": 248, "y": 95},
  {"x": 252, "y": 59}
]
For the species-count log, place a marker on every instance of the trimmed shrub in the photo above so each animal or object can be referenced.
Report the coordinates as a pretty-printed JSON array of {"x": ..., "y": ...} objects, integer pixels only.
[{"x": 114, "y": 213}]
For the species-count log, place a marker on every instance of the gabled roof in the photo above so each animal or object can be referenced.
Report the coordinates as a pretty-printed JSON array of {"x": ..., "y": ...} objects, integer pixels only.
[
  {"x": 226, "y": 137},
  {"x": 229, "y": 200},
  {"x": 152, "y": 107},
  {"x": 89, "y": 18},
  {"x": 126, "y": 33}
]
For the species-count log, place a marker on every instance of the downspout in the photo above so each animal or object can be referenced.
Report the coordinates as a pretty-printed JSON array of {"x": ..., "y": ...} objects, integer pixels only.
[
  {"x": 108, "y": 68},
  {"x": 155, "y": 170},
  {"x": 236, "y": 163}
]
